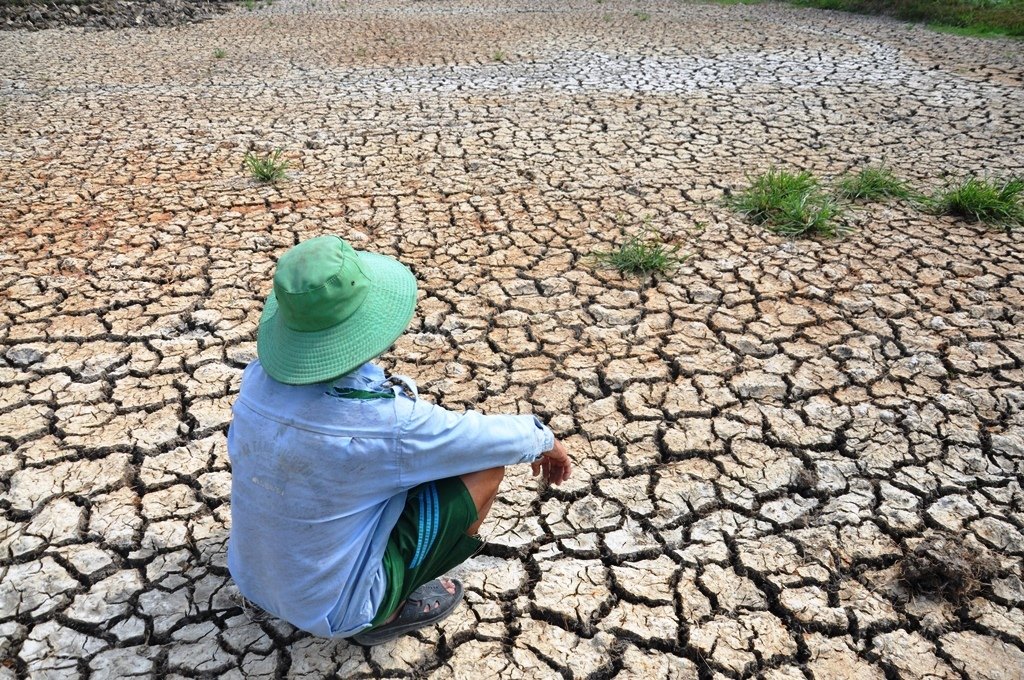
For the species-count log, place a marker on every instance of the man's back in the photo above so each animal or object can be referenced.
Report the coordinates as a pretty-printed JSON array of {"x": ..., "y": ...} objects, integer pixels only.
[
  {"x": 319, "y": 478},
  {"x": 315, "y": 493}
]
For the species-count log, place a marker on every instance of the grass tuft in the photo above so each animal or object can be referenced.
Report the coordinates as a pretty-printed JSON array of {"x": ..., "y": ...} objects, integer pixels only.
[
  {"x": 268, "y": 168},
  {"x": 874, "y": 184},
  {"x": 219, "y": 53},
  {"x": 643, "y": 254},
  {"x": 967, "y": 17},
  {"x": 499, "y": 57},
  {"x": 642, "y": 16},
  {"x": 970, "y": 31},
  {"x": 788, "y": 204},
  {"x": 942, "y": 565},
  {"x": 997, "y": 202}
]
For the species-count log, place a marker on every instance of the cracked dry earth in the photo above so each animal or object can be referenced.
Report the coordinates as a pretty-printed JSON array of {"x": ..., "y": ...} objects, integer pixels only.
[{"x": 764, "y": 437}]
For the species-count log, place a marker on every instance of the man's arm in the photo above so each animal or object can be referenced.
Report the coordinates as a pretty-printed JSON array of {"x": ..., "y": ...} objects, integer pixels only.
[{"x": 435, "y": 443}]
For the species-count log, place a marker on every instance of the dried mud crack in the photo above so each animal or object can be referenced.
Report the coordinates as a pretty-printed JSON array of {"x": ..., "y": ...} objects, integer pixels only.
[{"x": 766, "y": 437}]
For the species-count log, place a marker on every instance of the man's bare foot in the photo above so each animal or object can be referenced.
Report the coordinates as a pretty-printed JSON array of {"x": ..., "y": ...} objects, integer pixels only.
[{"x": 448, "y": 585}]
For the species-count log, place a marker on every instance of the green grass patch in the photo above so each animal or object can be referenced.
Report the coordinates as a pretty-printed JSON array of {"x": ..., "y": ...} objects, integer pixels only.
[
  {"x": 789, "y": 204},
  {"x": 996, "y": 202},
  {"x": 643, "y": 254},
  {"x": 499, "y": 57},
  {"x": 967, "y": 17},
  {"x": 268, "y": 168},
  {"x": 219, "y": 54},
  {"x": 874, "y": 184},
  {"x": 971, "y": 31},
  {"x": 642, "y": 16}
]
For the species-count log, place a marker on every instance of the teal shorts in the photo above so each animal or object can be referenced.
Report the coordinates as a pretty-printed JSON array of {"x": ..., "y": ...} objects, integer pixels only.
[{"x": 429, "y": 540}]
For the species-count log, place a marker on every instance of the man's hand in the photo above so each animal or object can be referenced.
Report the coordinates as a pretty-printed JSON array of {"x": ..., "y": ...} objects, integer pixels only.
[{"x": 555, "y": 463}]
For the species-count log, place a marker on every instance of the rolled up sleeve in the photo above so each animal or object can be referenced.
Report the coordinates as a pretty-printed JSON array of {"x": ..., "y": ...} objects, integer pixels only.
[{"x": 436, "y": 443}]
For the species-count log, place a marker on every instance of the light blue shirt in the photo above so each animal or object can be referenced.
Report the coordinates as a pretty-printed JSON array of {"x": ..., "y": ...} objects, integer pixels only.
[{"x": 319, "y": 480}]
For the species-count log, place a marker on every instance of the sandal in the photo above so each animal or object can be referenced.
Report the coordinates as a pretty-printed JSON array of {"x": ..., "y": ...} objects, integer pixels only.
[{"x": 430, "y": 595}]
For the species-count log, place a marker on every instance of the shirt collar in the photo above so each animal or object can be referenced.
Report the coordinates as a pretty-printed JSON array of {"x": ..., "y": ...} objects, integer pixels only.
[{"x": 367, "y": 374}]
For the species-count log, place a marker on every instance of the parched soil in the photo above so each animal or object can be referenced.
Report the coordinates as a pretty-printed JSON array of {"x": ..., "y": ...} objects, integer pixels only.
[
  {"x": 775, "y": 442},
  {"x": 38, "y": 15}
]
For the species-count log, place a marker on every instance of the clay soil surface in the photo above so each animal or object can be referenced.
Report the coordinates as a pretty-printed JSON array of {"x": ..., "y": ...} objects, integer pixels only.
[
  {"x": 769, "y": 439},
  {"x": 38, "y": 15}
]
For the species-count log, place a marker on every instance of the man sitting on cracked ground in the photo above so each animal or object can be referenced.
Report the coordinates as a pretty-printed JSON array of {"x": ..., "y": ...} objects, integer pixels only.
[{"x": 350, "y": 496}]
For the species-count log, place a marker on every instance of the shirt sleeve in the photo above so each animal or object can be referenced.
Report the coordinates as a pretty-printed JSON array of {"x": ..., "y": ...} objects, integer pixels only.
[{"x": 436, "y": 443}]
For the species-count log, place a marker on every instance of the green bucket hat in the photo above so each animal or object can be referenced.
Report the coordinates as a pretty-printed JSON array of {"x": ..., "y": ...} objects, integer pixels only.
[{"x": 332, "y": 310}]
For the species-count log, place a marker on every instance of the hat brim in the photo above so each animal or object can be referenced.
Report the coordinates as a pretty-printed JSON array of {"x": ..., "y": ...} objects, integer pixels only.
[{"x": 303, "y": 358}]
